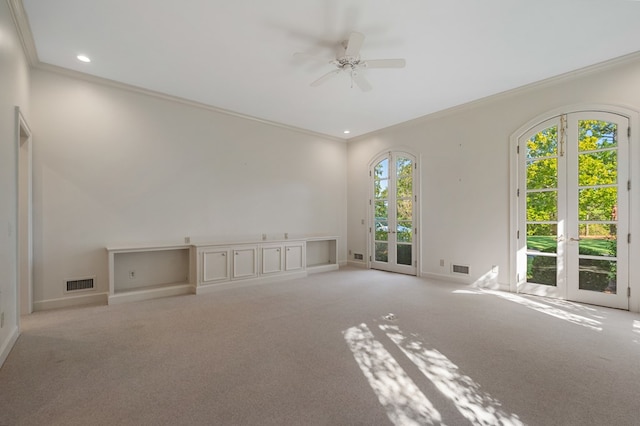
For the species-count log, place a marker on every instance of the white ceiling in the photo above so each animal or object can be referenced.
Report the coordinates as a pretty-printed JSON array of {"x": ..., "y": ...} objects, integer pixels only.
[{"x": 238, "y": 55}]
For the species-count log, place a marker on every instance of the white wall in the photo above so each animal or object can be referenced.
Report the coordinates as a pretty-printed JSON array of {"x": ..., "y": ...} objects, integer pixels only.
[
  {"x": 14, "y": 91},
  {"x": 114, "y": 166},
  {"x": 464, "y": 156}
]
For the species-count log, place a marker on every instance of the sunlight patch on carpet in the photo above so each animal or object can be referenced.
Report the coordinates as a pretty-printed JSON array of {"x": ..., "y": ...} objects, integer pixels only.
[
  {"x": 477, "y": 406},
  {"x": 402, "y": 399},
  {"x": 541, "y": 307}
]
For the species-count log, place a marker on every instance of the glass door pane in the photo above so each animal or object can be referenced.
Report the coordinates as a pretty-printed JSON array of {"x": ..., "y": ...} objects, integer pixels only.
[
  {"x": 541, "y": 195},
  {"x": 381, "y": 211},
  {"x": 404, "y": 211},
  {"x": 393, "y": 203},
  {"x": 575, "y": 209},
  {"x": 597, "y": 177}
]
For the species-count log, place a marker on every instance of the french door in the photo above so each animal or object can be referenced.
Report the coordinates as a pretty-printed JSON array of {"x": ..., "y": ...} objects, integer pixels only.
[
  {"x": 393, "y": 211},
  {"x": 573, "y": 177}
]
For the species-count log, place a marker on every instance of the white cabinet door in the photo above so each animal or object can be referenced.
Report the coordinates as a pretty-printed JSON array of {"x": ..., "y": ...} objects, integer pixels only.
[
  {"x": 272, "y": 259},
  {"x": 245, "y": 262},
  {"x": 216, "y": 264},
  {"x": 294, "y": 257}
]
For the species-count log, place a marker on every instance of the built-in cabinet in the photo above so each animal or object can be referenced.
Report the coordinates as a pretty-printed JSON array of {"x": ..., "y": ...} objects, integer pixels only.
[
  {"x": 287, "y": 257},
  {"x": 294, "y": 257},
  {"x": 219, "y": 264},
  {"x": 149, "y": 271},
  {"x": 245, "y": 262},
  {"x": 272, "y": 259},
  {"x": 215, "y": 264}
]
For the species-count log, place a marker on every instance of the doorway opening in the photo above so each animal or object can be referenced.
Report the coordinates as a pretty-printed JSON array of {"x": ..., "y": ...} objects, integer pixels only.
[
  {"x": 25, "y": 214},
  {"x": 393, "y": 212},
  {"x": 572, "y": 237}
]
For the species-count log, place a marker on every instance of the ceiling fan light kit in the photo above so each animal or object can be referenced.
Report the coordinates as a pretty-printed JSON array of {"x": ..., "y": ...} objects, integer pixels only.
[{"x": 350, "y": 61}]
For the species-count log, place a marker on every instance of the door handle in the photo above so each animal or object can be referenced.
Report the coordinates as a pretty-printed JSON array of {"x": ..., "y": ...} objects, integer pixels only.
[
  {"x": 574, "y": 239},
  {"x": 560, "y": 238}
]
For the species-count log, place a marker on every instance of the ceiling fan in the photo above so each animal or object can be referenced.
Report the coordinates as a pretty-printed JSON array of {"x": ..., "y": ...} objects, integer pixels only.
[{"x": 348, "y": 60}]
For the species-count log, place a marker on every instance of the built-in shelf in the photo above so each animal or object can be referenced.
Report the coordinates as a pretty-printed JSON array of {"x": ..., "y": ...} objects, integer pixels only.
[
  {"x": 322, "y": 254},
  {"x": 148, "y": 271}
]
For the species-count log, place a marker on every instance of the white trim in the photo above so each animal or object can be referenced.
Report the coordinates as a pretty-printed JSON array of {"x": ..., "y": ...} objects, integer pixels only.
[
  {"x": 513, "y": 211},
  {"x": 417, "y": 200},
  {"x": 480, "y": 282},
  {"x": 24, "y": 231},
  {"x": 26, "y": 37},
  {"x": 25, "y": 34},
  {"x": 8, "y": 344},
  {"x": 446, "y": 277},
  {"x": 210, "y": 288},
  {"x": 633, "y": 116},
  {"x": 24, "y": 31},
  {"x": 357, "y": 264},
  {"x": 146, "y": 294},
  {"x": 159, "y": 95},
  {"x": 531, "y": 87},
  {"x": 322, "y": 268},
  {"x": 624, "y": 110},
  {"x": 71, "y": 302}
]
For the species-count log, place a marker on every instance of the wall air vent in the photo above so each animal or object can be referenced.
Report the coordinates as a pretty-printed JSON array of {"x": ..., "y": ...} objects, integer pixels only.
[
  {"x": 460, "y": 269},
  {"x": 358, "y": 256},
  {"x": 80, "y": 285}
]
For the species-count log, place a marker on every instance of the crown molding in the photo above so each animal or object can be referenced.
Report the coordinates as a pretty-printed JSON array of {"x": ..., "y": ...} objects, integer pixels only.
[
  {"x": 28, "y": 44},
  {"x": 24, "y": 31},
  {"x": 159, "y": 95},
  {"x": 26, "y": 38},
  {"x": 590, "y": 69}
]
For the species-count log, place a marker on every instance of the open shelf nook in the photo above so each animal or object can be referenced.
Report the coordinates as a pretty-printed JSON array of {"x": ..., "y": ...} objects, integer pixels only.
[{"x": 150, "y": 271}]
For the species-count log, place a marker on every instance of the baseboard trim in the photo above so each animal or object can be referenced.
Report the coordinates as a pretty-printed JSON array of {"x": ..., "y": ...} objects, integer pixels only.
[
  {"x": 69, "y": 302},
  {"x": 445, "y": 277},
  {"x": 210, "y": 288},
  {"x": 493, "y": 286},
  {"x": 322, "y": 268},
  {"x": 9, "y": 344},
  {"x": 482, "y": 282},
  {"x": 146, "y": 294},
  {"x": 356, "y": 264}
]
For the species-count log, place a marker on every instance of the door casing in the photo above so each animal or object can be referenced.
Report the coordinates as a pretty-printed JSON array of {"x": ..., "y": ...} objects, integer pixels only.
[
  {"x": 25, "y": 214},
  {"x": 633, "y": 222},
  {"x": 414, "y": 269}
]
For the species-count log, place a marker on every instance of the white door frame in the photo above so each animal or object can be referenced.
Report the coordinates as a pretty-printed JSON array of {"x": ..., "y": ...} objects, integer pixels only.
[
  {"x": 634, "y": 200},
  {"x": 416, "y": 208},
  {"x": 25, "y": 214}
]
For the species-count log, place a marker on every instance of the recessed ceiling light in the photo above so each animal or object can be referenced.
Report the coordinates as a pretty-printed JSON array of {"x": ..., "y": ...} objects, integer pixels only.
[
  {"x": 83, "y": 58},
  {"x": 346, "y": 132}
]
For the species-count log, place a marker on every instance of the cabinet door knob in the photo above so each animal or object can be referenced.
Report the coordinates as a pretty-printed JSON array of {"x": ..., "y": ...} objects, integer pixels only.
[{"x": 224, "y": 254}]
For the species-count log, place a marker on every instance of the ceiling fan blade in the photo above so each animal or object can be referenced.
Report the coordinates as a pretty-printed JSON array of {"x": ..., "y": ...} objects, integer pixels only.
[
  {"x": 385, "y": 63},
  {"x": 362, "y": 82},
  {"x": 326, "y": 77},
  {"x": 354, "y": 44}
]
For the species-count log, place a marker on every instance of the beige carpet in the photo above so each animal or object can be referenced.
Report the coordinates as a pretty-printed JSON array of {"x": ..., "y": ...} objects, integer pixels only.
[{"x": 324, "y": 351}]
